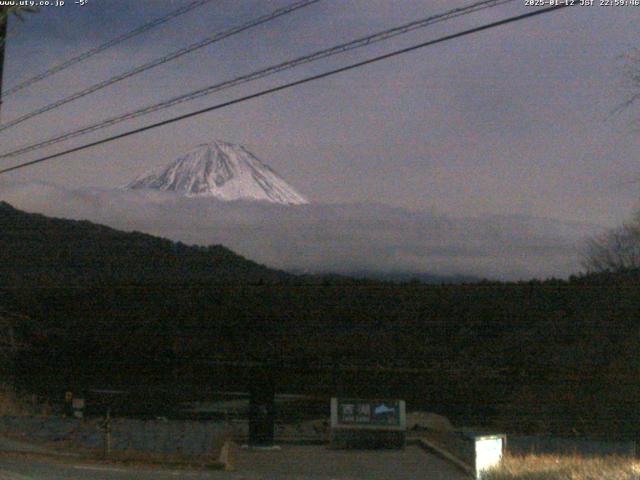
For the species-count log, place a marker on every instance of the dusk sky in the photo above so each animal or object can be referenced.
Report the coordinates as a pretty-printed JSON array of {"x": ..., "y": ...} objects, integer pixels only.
[{"x": 512, "y": 120}]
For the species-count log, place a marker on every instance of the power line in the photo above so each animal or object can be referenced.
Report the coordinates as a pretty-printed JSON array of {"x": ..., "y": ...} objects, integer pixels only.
[
  {"x": 162, "y": 60},
  {"x": 318, "y": 55},
  {"x": 105, "y": 46},
  {"x": 292, "y": 84},
  {"x": 3, "y": 33}
]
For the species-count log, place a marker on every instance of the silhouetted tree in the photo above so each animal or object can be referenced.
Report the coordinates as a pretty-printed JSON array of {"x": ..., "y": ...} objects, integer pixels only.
[{"x": 617, "y": 250}]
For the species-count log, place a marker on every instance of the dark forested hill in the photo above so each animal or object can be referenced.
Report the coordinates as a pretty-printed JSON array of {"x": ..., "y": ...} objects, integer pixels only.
[
  {"x": 123, "y": 309},
  {"x": 37, "y": 250}
]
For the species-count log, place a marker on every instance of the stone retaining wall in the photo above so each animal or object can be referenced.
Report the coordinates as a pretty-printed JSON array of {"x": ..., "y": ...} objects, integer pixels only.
[{"x": 154, "y": 436}]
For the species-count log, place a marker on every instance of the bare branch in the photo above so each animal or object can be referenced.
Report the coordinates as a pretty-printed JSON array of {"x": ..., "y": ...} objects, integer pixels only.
[
  {"x": 631, "y": 76},
  {"x": 616, "y": 250}
]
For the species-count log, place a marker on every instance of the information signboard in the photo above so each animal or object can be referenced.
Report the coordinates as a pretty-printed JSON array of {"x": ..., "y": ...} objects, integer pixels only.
[
  {"x": 383, "y": 413},
  {"x": 360, "y": 423}
]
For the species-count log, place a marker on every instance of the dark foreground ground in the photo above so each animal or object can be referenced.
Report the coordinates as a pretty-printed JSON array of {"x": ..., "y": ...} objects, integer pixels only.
[{"x": 290, "y": 463}]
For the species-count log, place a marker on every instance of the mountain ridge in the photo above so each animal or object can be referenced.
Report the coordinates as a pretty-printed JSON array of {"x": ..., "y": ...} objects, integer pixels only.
[{"x": 39, "y": 250}]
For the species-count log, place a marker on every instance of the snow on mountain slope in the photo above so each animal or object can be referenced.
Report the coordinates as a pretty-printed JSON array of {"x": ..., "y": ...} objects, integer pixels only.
[{"x": 222, "y": 170}]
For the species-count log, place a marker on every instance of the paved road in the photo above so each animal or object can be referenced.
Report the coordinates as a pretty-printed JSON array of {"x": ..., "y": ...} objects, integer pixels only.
[
  {"x": 14, "y": 468},
  {"x": 291, "y": 463},
  {"x": 305, "y": 462}
]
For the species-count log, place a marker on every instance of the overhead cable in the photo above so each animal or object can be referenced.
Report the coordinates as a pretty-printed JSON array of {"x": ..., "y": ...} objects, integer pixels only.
[
  {"x": 160, "y": 61},
  {"x": 286, "y": 86},
  {"x": 318, "y": 55},
  {"x": 105, "y": 46}
]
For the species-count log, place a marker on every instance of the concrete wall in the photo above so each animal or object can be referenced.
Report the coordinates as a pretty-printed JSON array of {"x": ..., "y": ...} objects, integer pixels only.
[{"x": 156, "y": 436}]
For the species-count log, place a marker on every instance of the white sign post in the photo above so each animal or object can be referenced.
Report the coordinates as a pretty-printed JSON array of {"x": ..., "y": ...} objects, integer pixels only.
[{"x": 488, "y": 451}]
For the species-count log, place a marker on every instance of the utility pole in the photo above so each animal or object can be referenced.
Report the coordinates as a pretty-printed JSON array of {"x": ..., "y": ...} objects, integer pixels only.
[{"x": 4, "y": 20}]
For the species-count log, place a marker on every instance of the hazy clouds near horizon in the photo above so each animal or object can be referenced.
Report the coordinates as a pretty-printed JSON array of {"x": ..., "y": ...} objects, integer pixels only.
[{"x": 340, "y": 238}]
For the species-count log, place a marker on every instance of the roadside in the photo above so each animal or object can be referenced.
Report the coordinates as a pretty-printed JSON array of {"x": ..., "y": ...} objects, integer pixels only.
[
  {"x": 11, "y": 448},
  {"x": 303, "y": 460},
  {"x": 289, "y": 463},
  {"x": 11, "y": 445},
  {"x": 29, "y": 467}
]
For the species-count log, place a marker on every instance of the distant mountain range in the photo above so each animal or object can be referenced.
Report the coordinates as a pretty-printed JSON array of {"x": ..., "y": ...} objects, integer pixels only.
[
  {"x": 344, "y": 239},
  {"x": 409, "y": 277},
  {"x": 49, "y": 252},
  {"x": 46, "y": 252},
  {"x": 222, "y": 170}
]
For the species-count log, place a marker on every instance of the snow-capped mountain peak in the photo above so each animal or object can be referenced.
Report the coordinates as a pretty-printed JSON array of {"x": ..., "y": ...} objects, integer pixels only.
[{"x": 222, "y": 170}]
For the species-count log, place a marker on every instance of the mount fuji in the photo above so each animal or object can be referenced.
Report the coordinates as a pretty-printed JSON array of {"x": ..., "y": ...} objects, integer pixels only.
[{"x": 222, "y": 170}]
